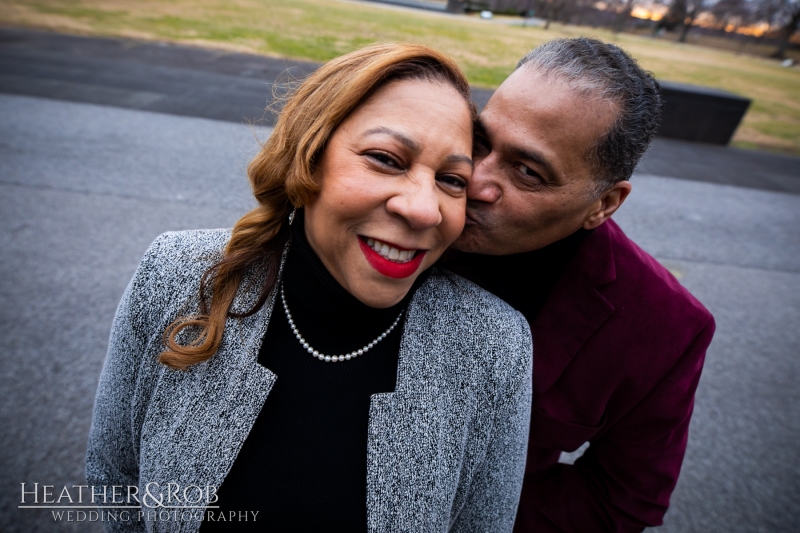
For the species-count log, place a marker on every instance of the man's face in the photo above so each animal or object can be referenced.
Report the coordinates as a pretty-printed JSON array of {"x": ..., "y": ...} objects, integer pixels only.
[{"x": 533, "y": 184}]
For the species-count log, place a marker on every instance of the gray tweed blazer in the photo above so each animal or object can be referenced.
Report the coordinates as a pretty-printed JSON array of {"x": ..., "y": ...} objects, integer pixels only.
[{"x": 446, "y": 450}]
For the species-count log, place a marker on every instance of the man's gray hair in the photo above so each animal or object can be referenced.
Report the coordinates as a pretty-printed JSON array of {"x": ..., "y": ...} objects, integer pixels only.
[{"x": 604, "y": 71}]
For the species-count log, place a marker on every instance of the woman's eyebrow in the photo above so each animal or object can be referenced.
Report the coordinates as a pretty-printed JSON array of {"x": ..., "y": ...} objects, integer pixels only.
[
  {"x": 461, "y": 159},
  {"x": 414, "y": 146},
  {"x": 397, "y": 135}
]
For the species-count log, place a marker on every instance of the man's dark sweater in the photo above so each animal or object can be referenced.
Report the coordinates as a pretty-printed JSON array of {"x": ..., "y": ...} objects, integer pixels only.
[{"x": 523, "y": 280}]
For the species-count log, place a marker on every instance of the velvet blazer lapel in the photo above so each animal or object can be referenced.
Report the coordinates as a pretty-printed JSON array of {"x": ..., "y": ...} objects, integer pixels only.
[{"x": 575, "y": 308}]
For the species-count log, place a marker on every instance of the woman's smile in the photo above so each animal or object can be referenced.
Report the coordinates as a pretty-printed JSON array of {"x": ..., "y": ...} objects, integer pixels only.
[
  {"x": 389, "y": 259},
  {"x": 391, "y": 251}
]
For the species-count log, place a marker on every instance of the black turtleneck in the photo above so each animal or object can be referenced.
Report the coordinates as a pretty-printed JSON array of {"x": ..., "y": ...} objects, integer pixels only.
[
  {"x": 304, "y": 463},
  {"x": 523, "y": 280}
]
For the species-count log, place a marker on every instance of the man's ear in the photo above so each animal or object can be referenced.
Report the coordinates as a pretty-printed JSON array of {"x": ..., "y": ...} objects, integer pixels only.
[{"x": 607, "y": 203}]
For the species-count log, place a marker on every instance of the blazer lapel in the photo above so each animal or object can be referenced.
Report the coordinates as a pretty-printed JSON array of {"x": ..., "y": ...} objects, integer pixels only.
[
  {"x": 410, "y": 431},
  {"x": 575, "y": 308},
  {"x": 210, "y": 408}
]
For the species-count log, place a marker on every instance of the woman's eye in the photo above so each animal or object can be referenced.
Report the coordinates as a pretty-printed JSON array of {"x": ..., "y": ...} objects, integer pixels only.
[
  {"x": 452, "y": 181},
  {"x": 384, "y": 159}
]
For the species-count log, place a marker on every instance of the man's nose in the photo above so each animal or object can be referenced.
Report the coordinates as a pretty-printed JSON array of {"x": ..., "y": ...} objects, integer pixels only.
[
  {"x": 483, "y": 187},
  {"x": 417, "y": 202}
]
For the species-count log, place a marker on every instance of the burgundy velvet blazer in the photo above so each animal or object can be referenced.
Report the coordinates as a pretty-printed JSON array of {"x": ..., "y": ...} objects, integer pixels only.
[{"x": 619, "y": 346}]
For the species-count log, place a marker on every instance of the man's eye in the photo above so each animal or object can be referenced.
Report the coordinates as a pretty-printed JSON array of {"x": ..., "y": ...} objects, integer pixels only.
[
  {"x": 384, "y": 159},
  {"x": 527, "y": 171}
]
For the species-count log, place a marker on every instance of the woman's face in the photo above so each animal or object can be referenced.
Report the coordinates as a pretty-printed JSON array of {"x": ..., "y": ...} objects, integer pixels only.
[{"x": 392, "y": 192}]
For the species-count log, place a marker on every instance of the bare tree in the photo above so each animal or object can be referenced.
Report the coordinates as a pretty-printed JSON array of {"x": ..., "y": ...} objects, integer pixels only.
[
  {"x": 783, "y": 18},
  {"x": 548, "y": 10},
  {"x": 788, "y": 19},
  {"x": 734, "y": 13},
  {"x": 581, "y": 8},
  {"x": 571, "y": 11},
  {"x": 693, "y": 8},
  {"x": 623, "y": 15},
  {"x": 674, "y": 16},
  {"x": 767, "y": 10}
]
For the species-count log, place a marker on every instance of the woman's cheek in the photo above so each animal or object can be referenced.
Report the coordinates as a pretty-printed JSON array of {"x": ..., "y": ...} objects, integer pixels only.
[{"x": 454, "y": 216}]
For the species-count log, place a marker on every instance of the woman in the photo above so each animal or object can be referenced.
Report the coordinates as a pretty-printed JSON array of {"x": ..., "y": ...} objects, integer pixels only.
[{"x": 307, "y": 371}]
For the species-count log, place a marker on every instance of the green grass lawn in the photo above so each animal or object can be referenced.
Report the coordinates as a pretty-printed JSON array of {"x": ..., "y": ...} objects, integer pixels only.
[{"x": 487, "y": 50}]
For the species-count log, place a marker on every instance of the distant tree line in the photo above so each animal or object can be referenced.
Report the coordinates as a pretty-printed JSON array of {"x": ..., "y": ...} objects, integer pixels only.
[{"x": 781, "y": 17}]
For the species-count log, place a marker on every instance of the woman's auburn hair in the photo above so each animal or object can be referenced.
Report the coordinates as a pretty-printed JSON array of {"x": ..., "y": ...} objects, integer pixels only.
[{"x": 282, "y": 177}]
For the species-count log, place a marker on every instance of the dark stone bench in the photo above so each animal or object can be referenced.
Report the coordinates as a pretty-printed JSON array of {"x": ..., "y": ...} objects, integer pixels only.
[{"x": 700, "y": 114}]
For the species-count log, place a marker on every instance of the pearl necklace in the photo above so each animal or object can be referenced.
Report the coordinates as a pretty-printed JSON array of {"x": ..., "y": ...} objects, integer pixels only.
[{"x": 333, "y": 358}]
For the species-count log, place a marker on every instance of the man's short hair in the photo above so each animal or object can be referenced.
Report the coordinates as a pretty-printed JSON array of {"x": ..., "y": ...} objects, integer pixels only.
[{"x": 604, "y": 71}]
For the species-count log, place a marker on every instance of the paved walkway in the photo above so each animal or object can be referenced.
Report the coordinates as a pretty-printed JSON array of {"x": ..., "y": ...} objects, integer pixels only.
[{"x": 86, "y": 188}]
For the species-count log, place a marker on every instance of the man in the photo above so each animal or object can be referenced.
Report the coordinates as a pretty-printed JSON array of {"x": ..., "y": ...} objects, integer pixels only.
[{"x": 618, "y": 343}]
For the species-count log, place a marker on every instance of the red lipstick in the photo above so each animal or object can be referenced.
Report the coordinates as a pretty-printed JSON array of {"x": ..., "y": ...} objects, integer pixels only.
[{"x": 390, "y": 268}]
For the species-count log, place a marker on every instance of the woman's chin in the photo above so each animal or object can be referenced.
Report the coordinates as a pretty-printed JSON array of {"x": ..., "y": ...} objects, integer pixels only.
[{"x": 381, "y": 293}]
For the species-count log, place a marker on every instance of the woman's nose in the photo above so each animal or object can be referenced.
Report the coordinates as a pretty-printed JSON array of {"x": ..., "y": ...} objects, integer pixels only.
[
  {"x": 417, "y": 203},
  {"x": 483, "y": 186}
]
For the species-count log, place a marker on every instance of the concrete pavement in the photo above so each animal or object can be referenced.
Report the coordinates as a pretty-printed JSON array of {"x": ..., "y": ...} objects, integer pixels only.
[{"x": 86, "y": 187}]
